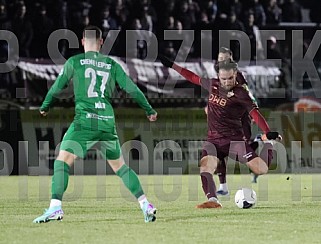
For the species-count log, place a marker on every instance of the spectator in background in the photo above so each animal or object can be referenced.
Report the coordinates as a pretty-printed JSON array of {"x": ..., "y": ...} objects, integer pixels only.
[
  {"x": 204, "y": 22},
  {"x": 169, "y": 9},
  {"x": 186, "y": 16},
  {"x": 57, "y": 11},
  {"x": 5, "y": 24},
  {"x": 170, "y": 23},
  {"x": 274, "y": 52},
  {"x": 234, "y": 24},
  {"x": 105, "y": 22},
  {"x": 236, "y": 7},
  {"x": 139, "y": 50},
  {"x": 76, "y": 12},
  {"x": 146, "y": 19},
  {"x": 179, "y": 29},
  {"x": 168, "y": 49},
  {"x": 179, "y": 48},
  {"x": 22, "y": 28},
  {"x": 253, "y": 33},
  {"x": 78, "y": 18},
  {"x": 273, "y": 49},
  {"x": 203, "y": 37},
  {"x": 167, "y": 46},
  {"x": 194, "y": 9},
  {"x": 77, "y": 9},
  {"x": 223, "y": 6},
  {"x": 273, "y": 13},
  {"x": 120, "y": 14},
  {"x": 44, "y": 27},
  {"x": 150, "y": 10},
  {"x": 259, "y": 14},
  {"x": 212, "y": 10},
  {"x": 315, "y": 7},
  {"x": 291, "y": 11}
]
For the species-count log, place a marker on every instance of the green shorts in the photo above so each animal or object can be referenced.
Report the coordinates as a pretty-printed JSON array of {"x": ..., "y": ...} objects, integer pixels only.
[{"x": 79, "y": 141}]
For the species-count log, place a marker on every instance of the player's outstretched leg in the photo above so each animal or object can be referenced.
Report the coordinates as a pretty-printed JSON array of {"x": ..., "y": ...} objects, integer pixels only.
[
  {"x": 266, "y": 153},
  {"x": 131, "y": 181},
  {"x": 221, "y": 173}
]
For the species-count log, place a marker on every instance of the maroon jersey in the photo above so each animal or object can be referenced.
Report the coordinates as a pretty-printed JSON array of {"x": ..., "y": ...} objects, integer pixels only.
[
  {"x": 240, "y": 78},
  {"x": 226, "y": 109}
]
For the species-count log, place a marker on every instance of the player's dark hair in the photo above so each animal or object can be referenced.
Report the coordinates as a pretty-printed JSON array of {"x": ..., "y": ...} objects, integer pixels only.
[
  {"x": 92, "y": 32},
  {"x": 225, "y": 50},
  {"x": 227, "y": 65}
]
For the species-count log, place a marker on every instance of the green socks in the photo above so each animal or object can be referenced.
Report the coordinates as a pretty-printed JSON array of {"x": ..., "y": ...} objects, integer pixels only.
[
  {"x": 130, "y": 180},
  {"x": 59, "y": 179}
]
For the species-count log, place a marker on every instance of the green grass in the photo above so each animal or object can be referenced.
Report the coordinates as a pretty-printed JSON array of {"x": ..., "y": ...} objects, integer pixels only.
[{"x": 99, "y": 210}]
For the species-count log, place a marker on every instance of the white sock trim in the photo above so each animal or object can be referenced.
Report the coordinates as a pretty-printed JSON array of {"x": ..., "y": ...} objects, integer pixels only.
[
  {"x": 213, "y": 199},
  {"x": 142, "y": 199},
  {"x": 55, "y": 203},
  {"x": 223, "y": 187}
]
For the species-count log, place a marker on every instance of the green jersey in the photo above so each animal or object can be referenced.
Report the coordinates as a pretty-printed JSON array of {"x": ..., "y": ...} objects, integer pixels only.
[{"x": 94, "y": 78}]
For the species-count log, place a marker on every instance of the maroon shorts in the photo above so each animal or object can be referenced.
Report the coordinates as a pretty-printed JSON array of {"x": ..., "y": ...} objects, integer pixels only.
[{"x": 223, "y": 147}]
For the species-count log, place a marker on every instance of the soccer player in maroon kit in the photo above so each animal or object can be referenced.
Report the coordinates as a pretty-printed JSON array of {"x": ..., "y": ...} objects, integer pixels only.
[
  {"x": 225, "y": 54},
  {"x": 227, "y": 103}
]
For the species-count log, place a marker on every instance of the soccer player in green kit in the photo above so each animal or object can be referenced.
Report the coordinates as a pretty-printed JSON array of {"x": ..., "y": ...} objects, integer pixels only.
[{"x": 94, "y": 78}]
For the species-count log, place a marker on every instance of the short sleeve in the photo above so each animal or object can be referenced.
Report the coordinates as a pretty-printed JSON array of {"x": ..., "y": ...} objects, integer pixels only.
[{"x": 246, "y": 98}]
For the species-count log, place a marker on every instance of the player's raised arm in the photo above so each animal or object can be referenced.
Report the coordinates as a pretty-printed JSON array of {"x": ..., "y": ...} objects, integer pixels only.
[
  {"x": 61, "y": 82},
  {"x": 260, "y": 120},
  {"x": 131, "y": 88},
  {"x": 263, "y": 125},
  {"x": 187, "y": 74}
]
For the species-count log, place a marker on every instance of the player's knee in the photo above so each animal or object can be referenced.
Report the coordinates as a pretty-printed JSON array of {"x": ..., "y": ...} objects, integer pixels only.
[
  {"x": 203, "y": 162},
  {"x": 208, "y": 164},
  {"x": 66, "y": 157},
  {"x": 262, "y": 169},
  {"x": 116, "y": 164},
  {"x": 258, "y": 166}
]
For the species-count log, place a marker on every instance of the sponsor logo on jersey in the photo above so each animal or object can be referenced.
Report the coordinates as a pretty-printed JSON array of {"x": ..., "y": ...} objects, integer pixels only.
[
  {"x": 99, "y": 117},
  {"x": 230, "y": 94},
  {"x": 218, "y": 100},
  {"x": 100, "y": 105}
]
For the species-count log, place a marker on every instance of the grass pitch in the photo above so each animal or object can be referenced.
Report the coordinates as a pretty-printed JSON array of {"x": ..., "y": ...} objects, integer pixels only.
[{"x": 99, "y": 210}]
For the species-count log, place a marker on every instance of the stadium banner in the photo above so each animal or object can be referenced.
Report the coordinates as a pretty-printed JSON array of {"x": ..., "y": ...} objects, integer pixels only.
[
  {"x": 153, "y": 78},
  {"x": 164, "y": 147},
  {"x": 172, "y": 145}
]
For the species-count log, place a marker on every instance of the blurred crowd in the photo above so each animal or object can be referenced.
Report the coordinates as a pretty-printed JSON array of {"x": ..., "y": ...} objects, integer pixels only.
[{"x": 32, "y": 21}]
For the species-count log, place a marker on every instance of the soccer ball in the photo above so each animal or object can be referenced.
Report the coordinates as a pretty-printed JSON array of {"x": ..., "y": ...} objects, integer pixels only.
[{"x": 245, "y": 198}]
